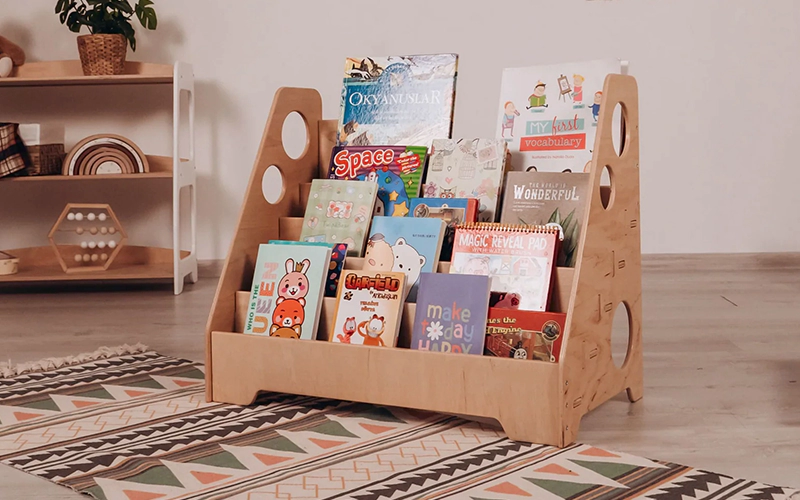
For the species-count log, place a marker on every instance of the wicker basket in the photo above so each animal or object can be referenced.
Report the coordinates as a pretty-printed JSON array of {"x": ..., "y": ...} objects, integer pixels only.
[
  {"x": 102, "y": 54},
  {"x": 46, "y": 159}
]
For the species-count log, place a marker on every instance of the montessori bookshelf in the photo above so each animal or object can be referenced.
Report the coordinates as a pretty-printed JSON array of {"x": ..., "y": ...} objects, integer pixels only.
[{"x": 533, "y": 401}]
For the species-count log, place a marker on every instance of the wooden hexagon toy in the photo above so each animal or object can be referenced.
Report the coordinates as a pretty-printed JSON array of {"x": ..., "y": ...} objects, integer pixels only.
[{"x": 87, "y": 237}]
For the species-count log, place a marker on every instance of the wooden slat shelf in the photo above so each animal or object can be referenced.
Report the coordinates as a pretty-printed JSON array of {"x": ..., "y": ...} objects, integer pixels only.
[
  {"x": 160, "y": 168},
  {"x": 69, "y": 73},
  {"x": 39, "y": 264}
]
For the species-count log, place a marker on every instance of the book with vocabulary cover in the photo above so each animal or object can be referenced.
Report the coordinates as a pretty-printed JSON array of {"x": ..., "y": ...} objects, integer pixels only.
[
  {"x": 369, "y": 307},
  {"x": 288, "y": 287},
  {"x": 468, "y": 168},
  {"x": 339, "y": 212},
  {"x": 548, "y": 114},
  {"x": 539, "y": 198},
  {"x": 397, "y": 100},
  {"x": 451, "y": 313},
  {"x": 397, "y": 170},
  {"x": 407, "y": 245},
  {"x": 519, "y": 259}
]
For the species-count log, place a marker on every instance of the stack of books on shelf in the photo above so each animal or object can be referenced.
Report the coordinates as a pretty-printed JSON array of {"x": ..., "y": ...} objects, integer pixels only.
[{"x": 470, "y": 230}]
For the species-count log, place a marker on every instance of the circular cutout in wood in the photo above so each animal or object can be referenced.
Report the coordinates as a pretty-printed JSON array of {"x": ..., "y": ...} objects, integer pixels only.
[{"x": 105, "y": 154}]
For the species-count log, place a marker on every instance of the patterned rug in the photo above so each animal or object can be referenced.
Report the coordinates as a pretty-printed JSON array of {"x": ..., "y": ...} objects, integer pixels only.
[{"x": 136, "y": 427}]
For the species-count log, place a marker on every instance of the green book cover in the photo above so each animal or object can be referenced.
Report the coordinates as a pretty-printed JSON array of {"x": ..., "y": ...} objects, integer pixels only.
[{"x": 339, "y": 211}]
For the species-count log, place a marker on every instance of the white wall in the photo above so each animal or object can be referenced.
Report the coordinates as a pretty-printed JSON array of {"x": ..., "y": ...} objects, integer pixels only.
[{"x": 717, "y": 84}]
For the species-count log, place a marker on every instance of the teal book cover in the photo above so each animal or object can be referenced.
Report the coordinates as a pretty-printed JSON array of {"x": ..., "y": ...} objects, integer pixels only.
[
  {"x": 338, "y": 256},
  {"x": 287, "y": 292},
  {"x": 407, "y": 245},
  {"x": 397, "y": 100},
  {"x": 339, "y": 211}
]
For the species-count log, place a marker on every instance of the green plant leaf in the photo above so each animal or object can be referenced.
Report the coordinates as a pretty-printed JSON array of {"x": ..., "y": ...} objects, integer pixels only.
[
  {"x": 566, "y": 222},
  {"x": 61, "y": 6},
  {"x": 555, "y": 217},
  {"x": 147, "y": 14}
]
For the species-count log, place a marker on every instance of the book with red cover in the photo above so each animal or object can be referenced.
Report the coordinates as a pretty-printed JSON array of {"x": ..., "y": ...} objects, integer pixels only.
[
  {"x": 512, "y": 333},
  {"x": 519, "y": 259}
]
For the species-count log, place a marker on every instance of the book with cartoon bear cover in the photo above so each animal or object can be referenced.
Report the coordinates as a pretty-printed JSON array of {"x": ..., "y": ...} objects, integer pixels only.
[
  {"x": 288, "y": 287},
  {"x": 369, "y": 307},
  {"x": 406, "y": 245},
  {"x": 397, "y": 100},
  {"x": 468, "y": 168},
  {"x": 339, "y": 212},
  {"x": 519, "y": 259},
  {"x": 548, "y": 114},
  {"x": 396, "y": 169},
  {"x": 539, "y": 198},
  {"x": 451, "y": 313}
]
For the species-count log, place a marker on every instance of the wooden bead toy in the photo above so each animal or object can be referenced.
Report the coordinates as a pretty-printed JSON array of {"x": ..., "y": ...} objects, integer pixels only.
[
  {"x": 94, "y": 253},
  {"x": 91, "y": 216},
  {"x": 78, "y": 216}
]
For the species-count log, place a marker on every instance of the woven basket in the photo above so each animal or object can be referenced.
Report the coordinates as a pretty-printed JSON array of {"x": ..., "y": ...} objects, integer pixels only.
[
  {"x": 102, "y": 54},
  {"x": 46, "y": 159}
]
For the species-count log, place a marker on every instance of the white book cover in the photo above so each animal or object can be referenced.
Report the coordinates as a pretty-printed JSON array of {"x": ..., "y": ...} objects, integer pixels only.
[{"x": 548, "y": 114}]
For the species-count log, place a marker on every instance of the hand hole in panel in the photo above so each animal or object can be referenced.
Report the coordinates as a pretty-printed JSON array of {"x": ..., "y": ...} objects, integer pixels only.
[
  {"x": 619, "y": 129},
  {"x": 294, "y": 135},
  {"x": 272, "y": 185},
  {"x": 607, "y": 187},
  {"x": 621, "y": 334}
]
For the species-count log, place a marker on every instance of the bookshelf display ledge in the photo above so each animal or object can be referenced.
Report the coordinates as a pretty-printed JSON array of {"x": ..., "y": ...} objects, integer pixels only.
[
  {"x": 533, "y": 401},
  {"x": 141, "y": 262}
]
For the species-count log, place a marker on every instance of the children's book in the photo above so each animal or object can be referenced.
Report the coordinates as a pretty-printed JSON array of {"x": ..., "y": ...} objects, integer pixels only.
[
  {"x": 405, "y": 245},
  {"x": 468, "y": 168},
  {"x": 369, "y": 307},
  {"x": 548, "y": 114},
  {"x": 339, "y": 212},
  {"x": 539, "y": 198},
  {"x": 397, "y": 100},
  {"x": 519, "y": 259},
  {"x": 525, "y": 334},
  {"x": 288, "y": 286},
  {"x": 451, "y": 313},
  {"x": 338, "y": 256},
  {"x": 396, "y": 169},
  {"x": 453, "y": 211}
]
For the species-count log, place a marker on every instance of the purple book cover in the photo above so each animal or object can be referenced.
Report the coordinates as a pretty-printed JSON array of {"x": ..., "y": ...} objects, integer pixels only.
[{"x": 451, "y": 313}]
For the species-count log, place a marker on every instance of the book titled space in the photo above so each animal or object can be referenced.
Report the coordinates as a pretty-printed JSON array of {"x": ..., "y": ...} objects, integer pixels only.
[
  {"x": 451, "y": 313},
  {"x": 548, "y": 114},
  {"x": 397, "y": 170},
  {"x": 339, "y": 212},
  {"x": 539, "y": 198},
  {"x": 288, "y": 287},
  {"x": 520, "y": 260},
  {"x": 468, "y": 168},
  {"x": 369, "y": 307},
  {"x": 397, "y": 100},
  {"x": 406, "y": 245}
]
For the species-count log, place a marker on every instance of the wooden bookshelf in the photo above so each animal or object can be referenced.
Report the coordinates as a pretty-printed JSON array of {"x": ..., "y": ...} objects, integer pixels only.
[
  {"x": 160, "y": 168},
  {"x": 69, "y": 73}
]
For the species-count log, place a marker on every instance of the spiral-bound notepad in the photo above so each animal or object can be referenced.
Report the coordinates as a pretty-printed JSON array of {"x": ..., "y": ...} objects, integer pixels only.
[{"x": 519, "y": 259}]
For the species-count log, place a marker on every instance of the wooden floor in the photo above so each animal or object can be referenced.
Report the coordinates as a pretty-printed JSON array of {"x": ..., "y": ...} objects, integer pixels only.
[{"x": 722, "y": 360}]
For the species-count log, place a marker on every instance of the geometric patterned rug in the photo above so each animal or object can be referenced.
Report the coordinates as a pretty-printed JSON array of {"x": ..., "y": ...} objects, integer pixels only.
[{"x": 137, "y": 427}]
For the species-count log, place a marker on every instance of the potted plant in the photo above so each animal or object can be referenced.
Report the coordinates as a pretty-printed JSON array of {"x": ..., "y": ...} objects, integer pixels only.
[{"x": 103, "y": 51}]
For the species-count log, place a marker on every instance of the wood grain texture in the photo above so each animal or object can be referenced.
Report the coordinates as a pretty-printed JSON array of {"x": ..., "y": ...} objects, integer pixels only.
[
  {"x": 69, "y": 73},
  {"x": 258, "y": 219},
  {"x": 722, "y": 395}
]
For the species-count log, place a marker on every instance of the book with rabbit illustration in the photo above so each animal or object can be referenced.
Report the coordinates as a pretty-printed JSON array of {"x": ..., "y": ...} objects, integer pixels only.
[
  {"x": 397, "y": 100},
  {"x": 548, "y": 114},
  {"x": 451, "y": 313},
  {"x": 468, "y": 168},
  {"x": 369, "y": 307},
  {"x": 406, "y": 245},
  {"x": 338, "y": 256},
  {"x": 287, "y": 291},
  {"x": 339, "y": 212},
  {"x": 519, "y": 259},
  {"x": 396, "y": 169},
  {"x": 539, "y": 198}
]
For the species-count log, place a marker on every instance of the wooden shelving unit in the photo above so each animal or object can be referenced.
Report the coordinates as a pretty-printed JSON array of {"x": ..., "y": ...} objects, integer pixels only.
[
  {"x": 534, "y": 401},
  {"x": 38, "y": 264}
]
